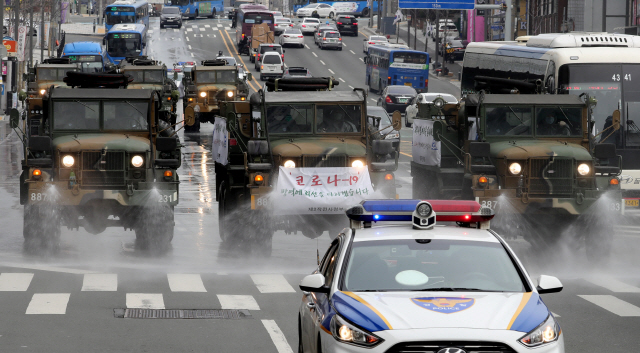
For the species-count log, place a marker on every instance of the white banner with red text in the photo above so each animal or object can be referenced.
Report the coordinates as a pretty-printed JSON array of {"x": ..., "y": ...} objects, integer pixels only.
[{"x": 219, "y": 142}]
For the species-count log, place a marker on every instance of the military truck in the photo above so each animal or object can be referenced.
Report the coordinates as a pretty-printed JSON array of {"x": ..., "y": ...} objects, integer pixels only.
[
  {"x": 96, "y": 158},
  {"x": 529, "y": 157},
  {"x": 50, "y": 73},
  {"x": 150, "y": 74},
  {"x": 206, "y": 86},
  {"x": 286, "y": 135}
]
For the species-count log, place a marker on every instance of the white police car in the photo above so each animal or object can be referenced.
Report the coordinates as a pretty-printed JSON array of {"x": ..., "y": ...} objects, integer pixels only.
[{"x": 418, "y": 286}]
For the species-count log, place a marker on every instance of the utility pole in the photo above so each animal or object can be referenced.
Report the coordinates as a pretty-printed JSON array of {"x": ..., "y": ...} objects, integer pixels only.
[
  {"x": 42, "y": 30},
  {"x": 415, "y": 28},
  {"x": 30, "y": 32},
  {"x": 100, "y": 9},
  {"x": 437, "y": 32},
  {"x": 16, "y": 23}
]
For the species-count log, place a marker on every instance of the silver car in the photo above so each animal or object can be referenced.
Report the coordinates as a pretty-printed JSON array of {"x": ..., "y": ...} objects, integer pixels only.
[
  {"x": 331, "y": 40},
  {"x": 309, "y": 25}
]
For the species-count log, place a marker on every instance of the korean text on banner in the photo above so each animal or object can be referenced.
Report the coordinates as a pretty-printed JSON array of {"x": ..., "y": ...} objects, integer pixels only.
[
  {"x": 22, "y": 42},
  {"x": 320, "y": 190},
  {"x": 425, "y": 149},
  {"x": 219, "y": 145}
]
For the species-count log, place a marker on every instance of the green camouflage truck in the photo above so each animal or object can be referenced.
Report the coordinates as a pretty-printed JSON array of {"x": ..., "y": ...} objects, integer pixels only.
[
  {"x": 529, "y": 157},
  {"x": 293, "y": 158},
  {"x": 50, "y": 73},
  {"x": 98, "y": 158}
]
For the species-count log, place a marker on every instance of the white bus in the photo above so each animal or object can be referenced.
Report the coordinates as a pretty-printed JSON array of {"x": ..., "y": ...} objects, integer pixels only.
[{"x": 604, "y": 65}]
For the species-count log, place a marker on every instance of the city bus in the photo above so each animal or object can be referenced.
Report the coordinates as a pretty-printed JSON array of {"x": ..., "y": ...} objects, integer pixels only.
[
  {"x": 605, "y": 66},
  {"x": 124, "y": 41},
  {"x": 246, "y": 17},
  {"x": 90, "y": 55},
  {"x": 126, "y": 11},
  {"x": 197, "y": 8},
  {"x": 388, "y": 65},
  {"x": 356, "y": 8}
]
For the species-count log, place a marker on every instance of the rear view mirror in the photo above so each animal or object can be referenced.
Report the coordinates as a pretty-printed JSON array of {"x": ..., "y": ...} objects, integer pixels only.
[
  {"x": 548, "y": 284},
  {"x": 14, "y": 118},
  {"x": 314, "y": 283},
  {"x": 189, "y": 116},
  {"x": 396, "y": 120},
  {"x": 615, "y": 121},
  {"x": 249, "y": 76}
]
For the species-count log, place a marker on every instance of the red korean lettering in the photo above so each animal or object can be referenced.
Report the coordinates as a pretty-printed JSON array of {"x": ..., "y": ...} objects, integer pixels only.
[
  {"x": 300, "y": 180},
  {"x": 315, "y": 181},
  {"x": 334, "y": 182}
]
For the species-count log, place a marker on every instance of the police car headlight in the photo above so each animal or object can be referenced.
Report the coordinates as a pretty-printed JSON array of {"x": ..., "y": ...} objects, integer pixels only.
[
  {"x": 583, "y": 169},
  {"x": 289, "y": 164},
  {"x": 230, "y": 94},
  {"x": 203, "y": 94},
  {"x": 68, "y": 161},
  {"x": 357, "y": 164},
  {"x": 515, "y": 168},
  {"x": 424, "y": 210},
  {"x": 547, "y": 332},
  {"x": 137, "y": 161},
  {"x": 345, "y": 332}
]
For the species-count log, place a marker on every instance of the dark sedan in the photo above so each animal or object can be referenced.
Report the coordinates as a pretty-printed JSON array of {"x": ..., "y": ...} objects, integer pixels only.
[
  {"x": 170, "y": 16},
  {"x": 396, "y": 97}
]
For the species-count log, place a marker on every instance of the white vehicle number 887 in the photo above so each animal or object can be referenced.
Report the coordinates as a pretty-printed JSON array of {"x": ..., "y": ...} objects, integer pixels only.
[{"x": 37, "y": 196}]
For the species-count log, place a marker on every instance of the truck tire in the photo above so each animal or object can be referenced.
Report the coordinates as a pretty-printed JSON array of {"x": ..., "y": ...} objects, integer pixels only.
[
  {"x": 154, "y": 228},
  {"x": 213, "y": 13},
  {"x": 365, "y": 12},
  {"x": 41, "y": 227},
  {"x": 227, "y": 205}
]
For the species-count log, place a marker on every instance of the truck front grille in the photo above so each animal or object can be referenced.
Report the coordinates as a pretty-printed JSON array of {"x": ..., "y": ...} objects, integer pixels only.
[
  {"x": 325, "y": 161},
  {"x": 551, "y": 176},
  {"x": 103, "y": 169}
]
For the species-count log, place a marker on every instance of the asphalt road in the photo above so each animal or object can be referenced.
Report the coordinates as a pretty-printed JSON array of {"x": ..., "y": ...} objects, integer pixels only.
[{"x": 65, "y": 302}]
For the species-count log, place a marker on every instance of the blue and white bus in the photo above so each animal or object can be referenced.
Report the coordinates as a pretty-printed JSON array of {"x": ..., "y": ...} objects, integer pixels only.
[
  {"x": 387, "y": 65},
  {"x": 90, "y": 55},
  {"x": 347, "y": 7},
  {"x": 197, "y": 8},
  {"x": 126, "y": 40},
  {"x": 128, "y": 12}
]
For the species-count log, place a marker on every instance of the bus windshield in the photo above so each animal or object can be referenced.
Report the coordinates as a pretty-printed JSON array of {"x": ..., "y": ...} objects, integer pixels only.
[
  {"x": 88, "y": 63},
  {"x": 409, "y": 58},
  {"x": 258, "y": 18},
  {"x": 120, "y": 16},
  {"x": 123, "y": 44}
]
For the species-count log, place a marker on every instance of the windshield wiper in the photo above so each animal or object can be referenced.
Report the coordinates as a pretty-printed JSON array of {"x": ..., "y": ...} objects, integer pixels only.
[
  {"x": 132, "y": 106},
  {"x": 86, "y": 106},
  {"x": 516, "y": 114}
]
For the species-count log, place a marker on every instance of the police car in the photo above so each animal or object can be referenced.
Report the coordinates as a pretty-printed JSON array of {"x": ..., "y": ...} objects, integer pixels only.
[{"x": 399, "y": 281}]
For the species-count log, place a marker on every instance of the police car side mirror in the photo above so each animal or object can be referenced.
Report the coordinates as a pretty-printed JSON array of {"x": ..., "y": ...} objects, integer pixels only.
[
  {"x": 548, "y": 284},
  {"x": 314, "y": 283}
]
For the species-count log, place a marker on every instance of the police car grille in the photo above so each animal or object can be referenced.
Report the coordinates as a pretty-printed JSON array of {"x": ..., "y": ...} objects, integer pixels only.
[
  {"x": 325, "y": 161},
  {"x": 551, "y": 178},
  {"x": 435, "y": 346},
  {"x": 103, "y": 171}
]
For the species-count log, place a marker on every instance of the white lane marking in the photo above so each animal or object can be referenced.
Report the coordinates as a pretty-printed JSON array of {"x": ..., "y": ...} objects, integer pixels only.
[
  {"x": 220, "y": 24},
  {"x": 145, "y": 300},
  {"x": 187, "y": 38},
  {"x": 150, "y": 31},
  {"x": 306, "y": 46},
  {"x": 322, "y": 62},
  {"x": 15, "y": 282},
  {"x": 344, "y": 44},
  {"x": 208, "y": 35},
  {"x": 100, "y": 282},
  {"x": 613, "y": 304},
  {"x": 314, "y": 54},
  {"x": 185, "y": 282},
  {"x": 47, "y": 268},
  {"x": 189, "y": 46},
  {"x": 352, "y": 52},
  {"x": 207, "y": 26},
  {"x": 176, "y": 30},
  {"x": 613, "y": 285},
  {"x": 227, "y": 28},
  {"x": 331, "y": 71},
  {"x": 238, "y": 302},
  {"x": 189, "y": 29},
  {"x": 192, "y": 55},
  {"x": 340, "y": 78},
  {"x": 214, "y": 36},
  {"x": 350, "y": 86},
  {"x": 373, "y": 100},
  {"x": 48, "y": 303},
  {"x": 194, "y": 26},
  {"x": 180, "y": 39},
  {"x": 278, "y": 338},
  {"x": 361, "y": 59},
  {"x": 272, "y": 283}
]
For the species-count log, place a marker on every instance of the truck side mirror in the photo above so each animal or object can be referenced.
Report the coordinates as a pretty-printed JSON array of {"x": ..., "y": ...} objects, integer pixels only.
[
  {"x": 189, "y": 116},
  {"x": 396, "y": 120},
  {"x": 14, "y": 118},
  {"x": 615, "y": 121},
  {"x": 249, "y": 76}
]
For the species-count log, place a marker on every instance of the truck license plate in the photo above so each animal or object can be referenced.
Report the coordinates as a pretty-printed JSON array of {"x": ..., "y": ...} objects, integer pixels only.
[{"x": 631, "y": 203}]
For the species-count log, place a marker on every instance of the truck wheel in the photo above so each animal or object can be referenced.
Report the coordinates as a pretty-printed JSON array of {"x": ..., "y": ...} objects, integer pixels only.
[
  {"x": 365, "y": 12},
  {"x": 265, "y": 245},
  {"x": 226, "y": 207},
  {"x": 331, "y": 15},
  {"x": 41, "y": 227},
  {"x": 154, "y": 229},
  {"x": 597, "y": 242},
  {"x": 213, "y": 14}
]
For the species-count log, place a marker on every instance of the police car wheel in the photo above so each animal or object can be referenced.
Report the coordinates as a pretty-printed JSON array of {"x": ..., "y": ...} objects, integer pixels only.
[{"x": 300, "y": 345}]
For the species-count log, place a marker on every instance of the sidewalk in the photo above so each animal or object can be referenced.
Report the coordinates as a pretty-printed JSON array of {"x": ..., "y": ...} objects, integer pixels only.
[{"x": 82, "y": 24}]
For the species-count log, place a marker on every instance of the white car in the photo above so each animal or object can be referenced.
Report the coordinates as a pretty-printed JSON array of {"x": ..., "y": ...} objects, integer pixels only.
[
  {"x": 271, "y": 65},
  {"x": 373, "y": 40},
  {"x": 317, "y": 10},
  {"x": 417, "y": 286},
  {"x": 309, "y": 25},
  {"x": 276, "y": 14},
  {"x": 292, "y": 36},
  {"x": 282, "y": 23},
  {"x": 424, "y": 98}
]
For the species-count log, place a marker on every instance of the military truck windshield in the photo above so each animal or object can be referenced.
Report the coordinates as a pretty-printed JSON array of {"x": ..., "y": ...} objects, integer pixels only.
[
  {"x": 127, "y": 115},
  {"x": 76, "y": 115},
  {"x": 558, "y": 121},
  {"x": 147, "y": 76},
  {"x": 509, "y": 121},
  {"x": 216, "y": 76},
  {"x": 226, "y": 76},
  {"x": 52, "y": 74},
  {"x": 291, "y": 118},
  {"x": 339, "y": 118}
]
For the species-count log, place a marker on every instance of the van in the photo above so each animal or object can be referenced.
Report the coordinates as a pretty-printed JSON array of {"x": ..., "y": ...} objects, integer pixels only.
[
  {"x": 446, "y": 30},
  {"x": 271, "y": 65},
  {"x": 265, "y": 48}
]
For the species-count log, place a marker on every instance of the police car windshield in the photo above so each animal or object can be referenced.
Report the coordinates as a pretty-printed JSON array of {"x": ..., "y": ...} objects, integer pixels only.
[
  {"x": 509, "y": 121},
  {"x": 436, "y": 265}
]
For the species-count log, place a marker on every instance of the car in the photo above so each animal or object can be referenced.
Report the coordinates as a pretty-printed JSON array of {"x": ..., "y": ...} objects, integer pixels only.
[
  {"x": 423, "y": 285},
  {"x": 296, "y": 71},
  {"x": 424, "y": 98},
  {"x": 373, "y": 40},
  {"x": 276, "y": 14},
  {"x": 330, "y": 40},
  {"x": 347, "y": 24},
  {"x": 292, "y": 36},
  {"x": 309, "y": 25},
  {"x": 271, "y": 65},
  {"x": 170, "y": 16},
  {"x": 316, "y": 10},
  {"x": 454, "y": 49},
  {"x": 262, "y": 49},
  {"x": 396, "y": 97},
  {"x": 446, "y": 30},
  {"x": 317, "y": 35},
  {"x": 384, "y": 128},
  {"x": 282, "y": 23}
]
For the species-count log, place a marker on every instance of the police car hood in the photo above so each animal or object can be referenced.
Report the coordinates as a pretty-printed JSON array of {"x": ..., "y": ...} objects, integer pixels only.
[
  {"x": 377, "y": 311},
  {"x": 524, "y": 149},
  {"x": 80, "y": 142}
]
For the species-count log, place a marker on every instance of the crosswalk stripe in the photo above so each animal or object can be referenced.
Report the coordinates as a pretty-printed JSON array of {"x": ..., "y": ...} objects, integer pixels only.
[
  {"x": 15, "y": 282},
  {"x": 220, "y": 25},
  {"x": 613, "y": 304},
  {"x": 272, "y": 283},
  {"x": 145, "y": 301},
  {"x": 100, "y": 282},
  {"x": 278, "y": 338},
  {"x": 613, "y": 285},
  {"x": 405, "y": 180},
  {"x": 185, "y": 283},
  {"x": 48, "y": 303},
  {"x": 238, "y": 302}
]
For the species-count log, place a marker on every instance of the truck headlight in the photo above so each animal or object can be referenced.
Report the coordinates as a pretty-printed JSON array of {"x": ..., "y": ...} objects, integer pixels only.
[
  {"x": 357, "y": 164},
  {"x": 137, "y": 161},
  {"x": 345, "y": 332},
  {"x": 515, "y": 168},
  {"x": 583, "y": 169},
  {"x": 289, "y": 164},
  {"x": 43, "y": 91},
  {"x": 547, "y": 332},
  {"x": 230, "y": 94},
  {"x": 68, "y": 161},
  {"x": 203, "y": 94}
]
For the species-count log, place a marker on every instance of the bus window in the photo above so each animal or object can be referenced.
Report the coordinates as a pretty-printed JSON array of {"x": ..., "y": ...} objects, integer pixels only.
[{"x": 410, "y": 58}]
